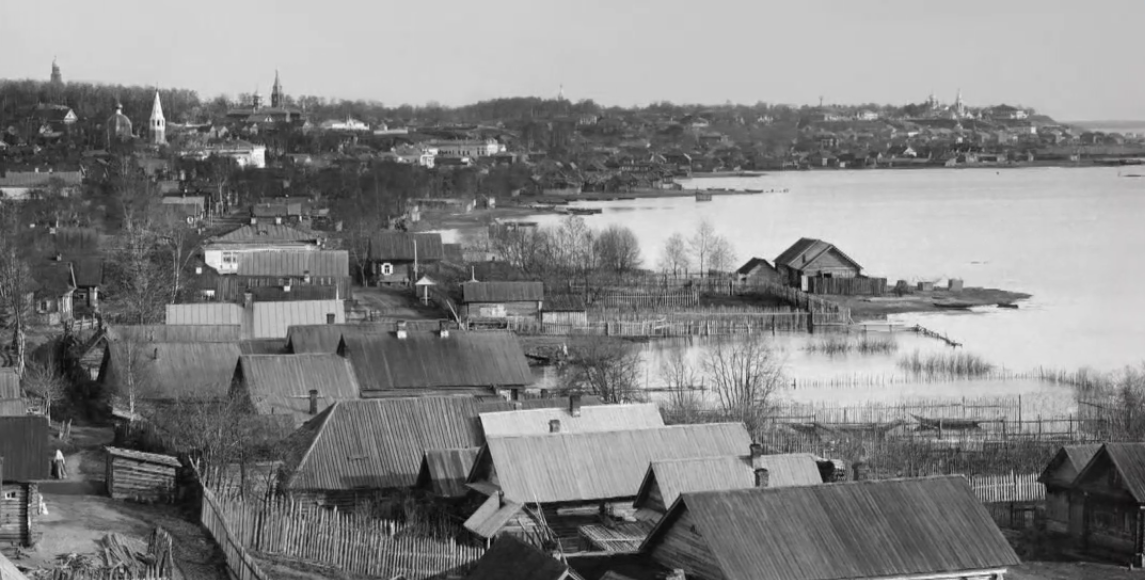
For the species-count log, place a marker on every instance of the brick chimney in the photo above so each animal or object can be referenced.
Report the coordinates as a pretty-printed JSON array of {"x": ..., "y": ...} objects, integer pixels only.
[
  {"x": 574, "y": 404},
  {"x": 555, "y": 426},
  {"x": 313, "y": 402},
  {"x": 756, "y": 455},
  {"x": 762, "y": 477},
  {"x": 400, "y": 330}
]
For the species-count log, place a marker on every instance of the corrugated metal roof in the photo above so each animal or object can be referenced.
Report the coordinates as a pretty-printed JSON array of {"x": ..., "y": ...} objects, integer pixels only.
[
  {"x": 379, "y": 443},
  {"x": 175, "y": 333},
  {"x": 502, "y": 291},
  {"x": 266, "y": 233},
  {"x": 443, "y": 471},
  {"x": 24, "y": 447},
  {"x": 144, "y": 457},
  {"x": 513, "y": 559},
  {"x": 399, "y": 247},
  {"x": 294, "y": 263},
  {"x": 676, "y": 476},
  {"x": 272, "y": 319},
  {"x": 205, "y": 313},
  {"x": 1128, "y": 459},
  {"x": 281, "y": 384},
  {"x": 1070, "y": 460},
  {"x": 172, "y": 370},
  {"x": 425, "y": 360},
  {"x": 870, "y": 529},
  {"x": 602, "y": 465},
  {"x": 590, "y": 419}
]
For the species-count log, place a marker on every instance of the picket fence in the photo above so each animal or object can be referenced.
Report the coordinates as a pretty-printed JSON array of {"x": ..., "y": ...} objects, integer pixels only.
[
  {"x": 239, "y": 560},
  {"x": 352, "y": 543},
  {"x": 1007, "y": 488}
]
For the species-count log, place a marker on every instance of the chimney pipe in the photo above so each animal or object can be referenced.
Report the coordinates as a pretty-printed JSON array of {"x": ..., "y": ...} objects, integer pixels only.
[
  {"x": 862, "y": 471},
  {"x": 762, "y": 477},
  {"x": 155, "y": 353},
  {"x": 286, "y": 287},
  {"x": 253, "y": 220},
  {"x": 313, "y": 402},
  {"x": 555, "y": 426},
  {"x": 277, "y": 220},
  {"x": 248, "y": 300},
  {"x": 400, "y": 329},
  {"x": 574, "y": 404},
  {"x": 756, "y": 455},
  {"x": 306, "y": 277},
  {"x": 443, "y": 329}
]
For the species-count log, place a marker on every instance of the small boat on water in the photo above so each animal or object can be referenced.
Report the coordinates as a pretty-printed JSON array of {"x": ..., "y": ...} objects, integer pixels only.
[
  {"x": 952, "y": 303},
  {"x": 1010, "y": 305},
  {"x": 753, "y": 191},
  {"x": 583, "y": 210},
  {"x": 703, "y": 196}
]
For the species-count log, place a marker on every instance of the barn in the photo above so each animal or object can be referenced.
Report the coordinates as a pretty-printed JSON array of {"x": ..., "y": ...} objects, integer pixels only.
[{"x": 143, "y": 477}]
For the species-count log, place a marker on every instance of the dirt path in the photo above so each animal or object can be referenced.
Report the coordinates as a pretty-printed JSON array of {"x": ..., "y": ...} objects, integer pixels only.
[{"x": 395, "y": 303}]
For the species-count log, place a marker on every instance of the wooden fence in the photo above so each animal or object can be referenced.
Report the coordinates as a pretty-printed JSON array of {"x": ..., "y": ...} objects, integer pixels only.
[
  {"x": 1007, "y": 488},
  {"x": 350, "y": 542},
  {"x": 215, "y": 519},
  {"x": 847, "y": 286}
]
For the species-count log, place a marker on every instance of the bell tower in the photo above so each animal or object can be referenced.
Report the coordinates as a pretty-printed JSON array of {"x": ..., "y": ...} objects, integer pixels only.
[
  {"x": 158, "y": 124},
  {"x": 57, "y": 78},
  {"x": 276, "y": 96}
]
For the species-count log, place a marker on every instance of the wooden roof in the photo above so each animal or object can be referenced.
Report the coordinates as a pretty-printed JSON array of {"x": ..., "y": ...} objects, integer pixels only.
[
  {"x": 295, "y": 263},
  {"x": 805, "y": 251},
  {"x": 9, "y": 383},
  {"x": 590, "y": 419},
  {"x": 752, "y": 264},
  {"x": 273, "y": 319},
  {"x": 870, "y": 529},
  {"x": 676, "y": 476},
  {"x": 143, "y": 457},
  {"x": 262, "y": 233},
  {"x": 396, "y": 246},
  {"x": 443, "y": 471},
  {"x": 1128, "y": 459},
  {"x": 281, "y": 383},
  {"x": 205, "y": 314},
  {"x": 1067, "y": 463},
  {"x": 24, "y": 447},
  {"x": 514, "y": 559},
  {"x": 172, "y": 370},
  {"x": 425, "y": 360},
  {"x": 502, "y": 292},
  {"x": 601, "y": 465},
  {"x": 379, "y": 443},
  {"x": 146, "y": 333}
]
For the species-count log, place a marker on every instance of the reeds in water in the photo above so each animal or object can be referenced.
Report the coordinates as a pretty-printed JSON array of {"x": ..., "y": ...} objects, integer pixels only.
[
  {"x": 833, "y": 345},
  {"x": 948, "y": 364}
]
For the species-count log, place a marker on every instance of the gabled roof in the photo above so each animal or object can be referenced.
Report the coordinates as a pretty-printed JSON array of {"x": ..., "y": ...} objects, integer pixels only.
[
  {"x": 87, "y": 270},
  {"x": 205, "y": 314},
  {"x": 53, "y": 279},
  {"x": 1067, "y": 463},
  {"x": 172, "y": 370},
  {"x": 34, "y": 179},
  {"x": 601, "y": 465},
  {"x": 281, "y": 384},
  {"x": 502, "y": 292},
  {"x": 295, "y": 263},
  {"x": 195, "y": 333},
  {"x": 262, "y": 233},
  {"x": 378, "y": 444},
  {"x": 443, "y": 471},
  {"x": 24, "y": 447},
  {"x": 590, "y": 419},
  {"x": 1129, "y": 461},
  {"x": 425, "y": 360},
  {"x": 752, "y": 264},
  {"x": 870, "y": 529},
  {"x": 297, "y": 292},
  {"x": 272, "y": 319},
  {"x": 513, "y": 559},
  {"x": 805, "y": 251},
  {"x": 399, "y": 246},
  {"x": 676, "y": 476}
]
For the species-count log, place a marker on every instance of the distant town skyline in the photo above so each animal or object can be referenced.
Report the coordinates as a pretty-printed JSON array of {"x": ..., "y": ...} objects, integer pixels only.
[{"x": 1071, "y": 61}]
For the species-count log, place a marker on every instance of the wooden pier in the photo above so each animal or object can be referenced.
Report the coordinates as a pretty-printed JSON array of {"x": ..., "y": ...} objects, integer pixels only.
[{"x": 932, "y": 334}]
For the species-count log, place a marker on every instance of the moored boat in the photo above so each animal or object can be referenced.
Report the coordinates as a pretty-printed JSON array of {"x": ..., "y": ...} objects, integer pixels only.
[{"x": 703, "y": 196}]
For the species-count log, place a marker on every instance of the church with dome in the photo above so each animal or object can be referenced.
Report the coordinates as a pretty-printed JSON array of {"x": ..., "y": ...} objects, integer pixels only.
[
  {"x": 258, "y": 114},
  {"x": 119, "y": 129}
]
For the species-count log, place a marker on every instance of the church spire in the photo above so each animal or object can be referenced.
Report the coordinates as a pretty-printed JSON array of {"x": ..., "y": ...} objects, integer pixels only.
[
  {"x": 57, "y": 78},
  {"x": 276, "y": 96},
  {"x": 158, "y": 123}
]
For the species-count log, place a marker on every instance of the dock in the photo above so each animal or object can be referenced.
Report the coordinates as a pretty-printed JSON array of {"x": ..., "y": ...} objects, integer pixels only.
[{"x": 932, "y": 334}]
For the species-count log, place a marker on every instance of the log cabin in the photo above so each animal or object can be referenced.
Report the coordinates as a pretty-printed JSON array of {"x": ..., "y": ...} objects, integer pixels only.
[
  {"x": 809, "y": 258},
  {"x": 1111, "y": 490},
  {"x": 399, "y": 258},
  {"x": 141, "y": 477},
  {"x": 25, "y": 458},
  {"x": 501, "y": 300},
  {"x": 1064, "y": 514}
]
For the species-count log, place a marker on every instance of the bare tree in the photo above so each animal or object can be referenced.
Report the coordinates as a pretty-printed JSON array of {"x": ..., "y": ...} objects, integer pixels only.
[
  {"x": 607, "y": 368},
  {"x": 675, "y": 256},
  {"x": 15, "y": 281},
  {"x": 722, "y": 256},
  {"x": 617, "y": 249},
  {"x": 139, "y": 281},
  {"x": 744, "y": 374},
  {"x": 681, "y": 378},
  {"x": 702, "y": 243},
  {"x": 44, "y": 381}
]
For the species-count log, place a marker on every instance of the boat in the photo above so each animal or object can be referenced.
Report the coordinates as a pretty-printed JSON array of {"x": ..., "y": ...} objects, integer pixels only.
[
  {"x": 952, "y": 303},
  {"x": 1007, "y": 305},
  {"x": 703, "y": 196},
  {"x": 583, "y": 210},
  {"x": 753, "y": 191}
]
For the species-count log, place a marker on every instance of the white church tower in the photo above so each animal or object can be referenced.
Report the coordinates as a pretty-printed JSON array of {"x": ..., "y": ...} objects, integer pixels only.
[{"x": 158, "y": 124}]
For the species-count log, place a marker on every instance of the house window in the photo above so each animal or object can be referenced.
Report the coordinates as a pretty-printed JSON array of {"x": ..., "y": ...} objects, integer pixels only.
[
  {"x": 43, "y": 306},
  {"x": 387, "y": 269},
  {"x": 9, "y": 495},
  {"x": 330, "y": 318},
  {"x": 230, "y": 258}
]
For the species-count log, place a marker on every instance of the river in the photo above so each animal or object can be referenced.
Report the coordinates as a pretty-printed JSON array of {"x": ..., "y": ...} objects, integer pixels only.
[{"x": 1073, "y": 238}]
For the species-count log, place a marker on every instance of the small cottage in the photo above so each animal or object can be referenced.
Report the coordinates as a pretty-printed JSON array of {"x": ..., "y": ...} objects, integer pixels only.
[
  {"x": 564, "y": 309},
  {"x": 400, "y": 258},
  {"x": 25, "y": 458},
  {"x": 809, "y": 258},
  {"x": 1111, "y": 491},
  {"x": 162, "y": 363},
  {"x": 758, "y": 271},
  {"x": 142, "y": 477},
  {"x": 930, "y": 527},
  {"x": 1064, "y": 514},
  {"x": 222, "y": 252},
  {"x": 501, "y": 300}
]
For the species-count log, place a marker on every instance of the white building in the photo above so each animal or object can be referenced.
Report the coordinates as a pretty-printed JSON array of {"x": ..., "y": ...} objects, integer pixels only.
[
  {"x": 350, "y": 124},
  {"x": 415, "y": 154},
  {"x": 244, "y": 153},
  {"x": 468, "y": 148}
]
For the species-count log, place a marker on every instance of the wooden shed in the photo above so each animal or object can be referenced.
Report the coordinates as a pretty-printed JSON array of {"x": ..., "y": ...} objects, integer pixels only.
[{"x": 138, "y": 476}]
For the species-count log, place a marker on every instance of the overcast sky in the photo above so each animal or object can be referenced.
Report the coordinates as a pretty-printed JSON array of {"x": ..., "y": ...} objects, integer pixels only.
[{"x": 1072, "y": 60}]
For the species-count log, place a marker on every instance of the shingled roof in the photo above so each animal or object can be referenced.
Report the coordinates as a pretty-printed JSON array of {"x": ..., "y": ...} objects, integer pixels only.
[
  {"x": 167, "y": 362},
  {"x": 281, "y": 384},
  {"x": 592, "y": 466},
  {"x": 502, "y": 292},
  {"x": 425, "y": 360},
  {"x": 872, "y": 529},
  {"x": 378, "y": 444},
  {"x": 295, "y": 263},
  {"x": 399, "y": 247}
]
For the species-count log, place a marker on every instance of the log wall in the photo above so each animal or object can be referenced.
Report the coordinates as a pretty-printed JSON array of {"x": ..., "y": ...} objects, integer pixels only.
[{"x": 19, "y": 514}]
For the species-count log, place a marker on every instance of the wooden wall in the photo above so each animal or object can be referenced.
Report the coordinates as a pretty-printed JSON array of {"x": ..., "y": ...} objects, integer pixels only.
[
  {"x": 578, "y": 318},
  {"x": 682, "y": 547},
  {"x": 19, "y": 514},
  {"x": 525, "y": 309},
  {"x": 136, "y": 480}
]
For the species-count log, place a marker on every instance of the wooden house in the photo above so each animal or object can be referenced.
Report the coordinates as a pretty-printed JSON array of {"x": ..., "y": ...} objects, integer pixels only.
[
  {"x": 575, "y": 477},
  {"x": 292, "y": 270},
  {"x": 25, "y": 458},
  {"x": 297, "y": 385},
  {"x": 258, "y": 320},
  {"x": 400, "y": 258},
  {"x": 1111, "y": 489},
  {"x": 574, "y": 418},
  {"x": 54, "y": 289},
  {"x": 1064, "y": 515},
  {"x": 222, "y": 252},
  {"x": 501, "y": 300},
  {"x": 758, "y": 270},
  {"x": 142, "y": 477},
  {"x": 87, "y": 272},
  {"x": 809, "y": 258},
  {"x": 163, "y": 363},
  {"x": 931, "y": 528},
  {"x": 564, "y": 309},
  {"x": 447, "y": 362}
]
